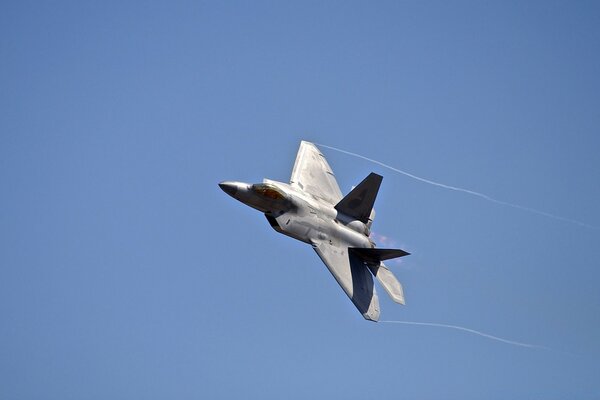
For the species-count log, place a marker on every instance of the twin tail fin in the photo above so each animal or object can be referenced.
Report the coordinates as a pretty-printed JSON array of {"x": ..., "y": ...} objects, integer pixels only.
[
  {"x": 374, "y": 260},
  {"x": 359, "y": 202}
]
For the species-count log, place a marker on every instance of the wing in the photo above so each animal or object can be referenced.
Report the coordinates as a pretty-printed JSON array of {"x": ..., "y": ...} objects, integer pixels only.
[
  {"x": 353, "y": 276},
  {"x": 313, "y": 174}
]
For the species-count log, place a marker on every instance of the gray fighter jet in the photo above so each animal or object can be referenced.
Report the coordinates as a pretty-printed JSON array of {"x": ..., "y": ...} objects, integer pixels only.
[{"x": 311, "y": 208}]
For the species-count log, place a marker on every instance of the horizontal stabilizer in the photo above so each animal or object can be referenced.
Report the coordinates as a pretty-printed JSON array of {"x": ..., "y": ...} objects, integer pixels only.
[
  {"x": 374, "y": 256},
  {"x": 389, "y": 282},
  {"x": 359, "y": 202}
]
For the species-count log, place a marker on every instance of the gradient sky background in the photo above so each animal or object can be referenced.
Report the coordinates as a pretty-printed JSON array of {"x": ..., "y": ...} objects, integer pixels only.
[{"x": 127, "y": 273}]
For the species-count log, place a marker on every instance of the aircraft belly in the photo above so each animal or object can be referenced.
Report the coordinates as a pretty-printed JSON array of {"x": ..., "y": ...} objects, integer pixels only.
[
  {"x": 350, "y": 237},
  {"x": 297, "y": 227}
]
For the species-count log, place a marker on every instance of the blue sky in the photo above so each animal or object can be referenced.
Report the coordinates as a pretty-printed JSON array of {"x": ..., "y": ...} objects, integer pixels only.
[{"x": 127, "y": 273}]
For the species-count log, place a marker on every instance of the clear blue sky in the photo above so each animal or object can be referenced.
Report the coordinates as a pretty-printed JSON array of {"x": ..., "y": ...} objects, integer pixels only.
[{"x": 127, "y": 273}]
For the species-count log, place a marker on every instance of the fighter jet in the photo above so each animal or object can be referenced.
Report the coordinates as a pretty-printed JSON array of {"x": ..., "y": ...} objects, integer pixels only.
[{"x": 311, "y": 209}]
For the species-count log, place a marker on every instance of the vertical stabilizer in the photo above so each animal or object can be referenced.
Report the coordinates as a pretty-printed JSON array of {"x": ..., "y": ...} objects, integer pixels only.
[
  {"x": 359, "y": 202},
  {"x": 389, "y": 282}
]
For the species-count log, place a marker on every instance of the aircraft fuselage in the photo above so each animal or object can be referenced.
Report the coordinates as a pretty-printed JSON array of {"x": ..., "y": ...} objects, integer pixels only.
[
  {"x": 312, "y": 209},
  {"x": 298, "y": 214}
]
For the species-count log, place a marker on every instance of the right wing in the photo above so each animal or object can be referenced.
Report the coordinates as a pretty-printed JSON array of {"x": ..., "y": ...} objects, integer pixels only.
[
  {"x": 313, "y": 174},
  {"x": 352, "y": 275}
]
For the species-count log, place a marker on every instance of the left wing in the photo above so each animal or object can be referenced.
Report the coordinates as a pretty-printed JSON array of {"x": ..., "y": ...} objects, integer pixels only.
[
  {"x": 313, "y": 174},
  {"x": 352, "y": 275}
]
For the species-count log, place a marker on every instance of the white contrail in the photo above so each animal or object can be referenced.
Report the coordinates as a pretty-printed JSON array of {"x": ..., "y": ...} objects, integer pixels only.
[
  {"x": 460, "y": 328},
  {"x": 471, "y": 192}
]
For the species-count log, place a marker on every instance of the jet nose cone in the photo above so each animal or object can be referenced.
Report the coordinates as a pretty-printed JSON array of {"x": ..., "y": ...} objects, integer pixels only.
[{"x": 229, "y": 187}]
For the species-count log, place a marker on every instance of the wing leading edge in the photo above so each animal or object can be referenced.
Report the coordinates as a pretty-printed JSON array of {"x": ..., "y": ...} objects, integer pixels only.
[{"x": 353, "y": 276}]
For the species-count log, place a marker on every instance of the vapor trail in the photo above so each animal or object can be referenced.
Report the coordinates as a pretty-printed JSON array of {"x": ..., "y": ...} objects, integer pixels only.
[
  {"x": 471, "y": 192},
  {"x": 460, "y": 328}
]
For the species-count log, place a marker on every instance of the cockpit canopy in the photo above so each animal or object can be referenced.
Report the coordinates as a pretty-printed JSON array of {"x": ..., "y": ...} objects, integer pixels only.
[{"x": 267, "y": 190}]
